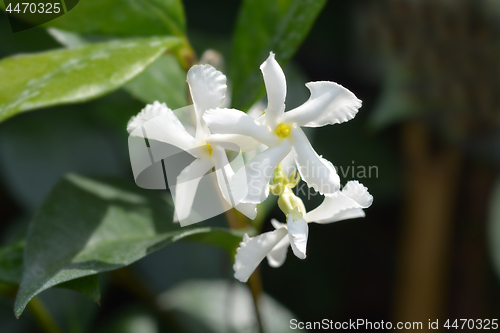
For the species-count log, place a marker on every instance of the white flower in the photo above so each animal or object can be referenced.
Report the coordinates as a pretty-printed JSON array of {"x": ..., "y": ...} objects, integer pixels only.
[
  {"x": 345, "y": 204},
  {"x": 329, "y": 103},
  {"x": 207, "y": 87}
]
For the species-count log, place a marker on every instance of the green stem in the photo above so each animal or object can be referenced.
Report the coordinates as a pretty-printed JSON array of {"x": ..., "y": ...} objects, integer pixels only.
[
  {"x": 185, "y": 55},
  {"x": 42, "y": 316},
  {"x": 255, "y": 285},
  {"x": 237, "y": 220}
]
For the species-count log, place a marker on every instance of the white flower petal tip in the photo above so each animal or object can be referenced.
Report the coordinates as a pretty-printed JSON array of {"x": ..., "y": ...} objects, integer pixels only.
[
  {"x": 207, "y": 86},
  {"x": 298, "y": 232},
  {"x": 149, "y": 112},
  {"x": 253, "y": 250},
  {"x": 342, "y": 205},
  {"x": 330, "y": 103},
  {"x": 359, "y": 193},
  {"x": 275, "y": 81}
]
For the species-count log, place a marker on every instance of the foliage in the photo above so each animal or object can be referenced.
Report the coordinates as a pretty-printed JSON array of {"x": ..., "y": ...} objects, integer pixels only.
[
  {"x": 75, "y": 75},
  {"x": 265, "y": 26},
  {"x": 86, "y": 226}
]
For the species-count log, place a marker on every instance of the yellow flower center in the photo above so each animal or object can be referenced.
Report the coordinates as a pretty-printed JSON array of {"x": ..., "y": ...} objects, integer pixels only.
[
  {"x": 283, "y": 131},
  {"x": 209, "y": 149}
]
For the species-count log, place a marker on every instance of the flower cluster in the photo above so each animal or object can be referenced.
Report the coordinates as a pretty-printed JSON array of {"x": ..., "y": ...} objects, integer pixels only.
[{"x": 276, "y": 134}]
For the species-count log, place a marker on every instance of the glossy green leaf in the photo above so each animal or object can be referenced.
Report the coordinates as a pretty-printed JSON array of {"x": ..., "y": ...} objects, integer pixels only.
[
  {"x": 74, "y": 75},
  {"x": 124, "y": 18},
  {"x": 11, "y": 270},
  {"x": 163, "y": 81},
  {"x": 219, "y": 238},
  {"x": 264, "y": 26},
  {"x": 84, "y": 227},
  {"x": 88, "y": 286}
]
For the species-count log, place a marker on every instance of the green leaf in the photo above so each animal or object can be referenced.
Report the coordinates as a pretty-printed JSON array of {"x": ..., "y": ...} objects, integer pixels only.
[
  {"x": 163, "y": 81},
  {"x": 67, "y": 38},
  {"x": 84, "y": 227},
  {"x": 124, "y": 18},
  {"x": 11, "y": 262},
  {"x": 220, "y": 239},
  {"x": 11, "y": 270},
  {"x": 75, "y": 75},
  {"x": 87, "y": 286},
  {"x": 264, "y": 26}
]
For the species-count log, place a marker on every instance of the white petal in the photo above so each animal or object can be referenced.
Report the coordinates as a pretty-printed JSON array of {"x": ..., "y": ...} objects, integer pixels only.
[
  {"x": 275, "y": 81},
  {"x": 344, "y": 204},
  {"x": 346, "y": 215},
  {"x": 330, "y": 103},
  {"x": 186, "y": 186},
  {"x": 208, "y": 88},
  {"x": 231, "y": 141},
  {"x": 358, "y": 192},
  {"x": 231, "y": 121},
  {"x": 149, "y": 112},
  {"x": 247, "y": 209},
  {"x": 330, "y": 208},
  {"x": 277, "y": 224},
  {"x": 252, "y": 251},
  {"x": 298, "y": 232},
  {"x": 157, "y": 122},
  {"x": 257, "y": 110},
  {"x": 289, "y": 164},
  {"x": 277, "y": 256},
  {"x": 225, "y": 173},
  {"x": 316, "y": 171},
  {"x": 250, "y": 184}
]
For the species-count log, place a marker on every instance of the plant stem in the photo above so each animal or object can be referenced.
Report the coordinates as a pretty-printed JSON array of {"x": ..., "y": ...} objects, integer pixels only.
[
  {"x": 255, "y": 285},
  {"x": 186, "y": 55},
  {"x": 237, "y": 220},
  {"x": 42, "y": 316}
]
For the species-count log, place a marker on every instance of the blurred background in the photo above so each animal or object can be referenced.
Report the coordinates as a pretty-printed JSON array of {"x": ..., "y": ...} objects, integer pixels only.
[{"x": 428, "y": 73}]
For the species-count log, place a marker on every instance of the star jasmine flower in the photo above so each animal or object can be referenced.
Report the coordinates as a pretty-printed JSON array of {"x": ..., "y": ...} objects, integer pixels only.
[
  {"x": 330, "y": 103},
  {"x": 347, "y": 203},
  {"x": 207, "y": 87}
]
